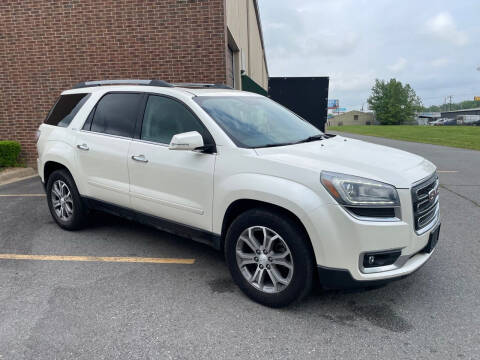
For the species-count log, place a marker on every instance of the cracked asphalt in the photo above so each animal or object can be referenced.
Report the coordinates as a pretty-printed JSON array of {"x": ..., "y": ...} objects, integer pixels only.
[{"x": 85, "y": 310}]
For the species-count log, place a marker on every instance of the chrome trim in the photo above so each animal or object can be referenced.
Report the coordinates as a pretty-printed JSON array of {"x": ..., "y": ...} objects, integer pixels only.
[
  {"x": 432, "y": 224},
  {"x": 428, "y": 209},
  {"x": 104, "y": 134},
  {"x": 397, "y": 209},
  {"x": 425, "y": 219},
  {"x": 402, "y": 259}
]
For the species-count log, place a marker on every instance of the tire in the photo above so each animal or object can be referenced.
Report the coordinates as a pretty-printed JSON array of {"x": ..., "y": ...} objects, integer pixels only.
[
  {"x": 245, "y": 263},
  {"x": 69, "y": 213}
]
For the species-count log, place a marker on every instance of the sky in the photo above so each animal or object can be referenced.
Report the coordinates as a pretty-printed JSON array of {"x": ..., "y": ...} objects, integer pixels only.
[{"x": 434, "y": 45}]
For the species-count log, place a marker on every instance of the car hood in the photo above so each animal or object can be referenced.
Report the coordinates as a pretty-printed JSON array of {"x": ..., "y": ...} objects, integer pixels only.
[{"x": 354, "y": 157}]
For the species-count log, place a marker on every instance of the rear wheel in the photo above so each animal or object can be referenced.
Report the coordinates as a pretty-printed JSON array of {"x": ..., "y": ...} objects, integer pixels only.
[
  {"x": 64, "y": 201},
  {"x": 269, "y": 257}
]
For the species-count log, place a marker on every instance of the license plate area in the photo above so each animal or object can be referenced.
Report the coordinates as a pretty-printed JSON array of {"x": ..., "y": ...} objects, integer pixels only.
[{"x": 432, "y": 240}]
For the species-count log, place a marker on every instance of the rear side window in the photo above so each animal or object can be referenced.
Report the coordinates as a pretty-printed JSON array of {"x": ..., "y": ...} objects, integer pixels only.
[
  {"x": 116, "y": 114},
  {"x": 65, "y": 109}
]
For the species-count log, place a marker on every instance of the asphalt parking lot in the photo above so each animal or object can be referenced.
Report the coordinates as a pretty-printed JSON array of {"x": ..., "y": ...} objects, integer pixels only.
[{"x": 192, "y": 310}]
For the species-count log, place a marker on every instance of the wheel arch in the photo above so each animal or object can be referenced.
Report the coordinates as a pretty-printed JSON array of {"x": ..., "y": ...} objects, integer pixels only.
[
  {"x": 51, "y": 166},
  {"x": 239, "y": 206}
]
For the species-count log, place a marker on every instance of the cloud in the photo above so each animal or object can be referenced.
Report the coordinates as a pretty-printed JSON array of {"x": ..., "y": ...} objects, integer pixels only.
[
  {"x": 442, "y": 27},
  {"x": 440, "y": 62},
  {"x": 398, "y": 66},
  {"x": 356, "y": 41},
  {"x": 361, "y": 81}
]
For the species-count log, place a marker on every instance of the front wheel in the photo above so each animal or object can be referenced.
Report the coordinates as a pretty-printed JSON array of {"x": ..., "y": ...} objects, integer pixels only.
[{"x": 269, "y": 257}]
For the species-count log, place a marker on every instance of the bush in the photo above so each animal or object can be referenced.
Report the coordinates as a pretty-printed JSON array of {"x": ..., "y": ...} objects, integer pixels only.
[{"x": 9, "y": 151}]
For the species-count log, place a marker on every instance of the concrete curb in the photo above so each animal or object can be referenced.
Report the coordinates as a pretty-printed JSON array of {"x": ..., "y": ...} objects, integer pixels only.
[{"x": 16, "y": 174}]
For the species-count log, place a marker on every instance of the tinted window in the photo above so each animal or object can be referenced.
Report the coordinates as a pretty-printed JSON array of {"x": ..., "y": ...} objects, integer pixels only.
[
  {"x": 65, "y": 109},
  {"x": 256, "y": 121},
  {"x": 165, "y": 117},
  {"x": 116, "y": 114}
]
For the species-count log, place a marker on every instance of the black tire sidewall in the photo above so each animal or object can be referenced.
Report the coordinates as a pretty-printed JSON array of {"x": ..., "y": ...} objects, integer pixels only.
[
  {"x": 296, "y": 240},
  {"x": 77, "y": 220}
]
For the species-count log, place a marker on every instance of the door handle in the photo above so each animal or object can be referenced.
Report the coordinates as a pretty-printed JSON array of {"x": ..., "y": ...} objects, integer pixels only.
[
  {"x": 140, "y": 158},
  {"x": 83, "y": 147}
]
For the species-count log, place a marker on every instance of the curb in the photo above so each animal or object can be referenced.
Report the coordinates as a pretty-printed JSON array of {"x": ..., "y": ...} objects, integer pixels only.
[{"x": 13, "y": 175}]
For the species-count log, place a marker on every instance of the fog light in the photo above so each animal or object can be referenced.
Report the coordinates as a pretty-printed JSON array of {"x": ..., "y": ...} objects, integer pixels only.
[{"x": 380, "y": 258}]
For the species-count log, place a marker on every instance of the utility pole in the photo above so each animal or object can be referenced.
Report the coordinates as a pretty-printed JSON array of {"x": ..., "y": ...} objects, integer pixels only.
[{"x": 450, "y": 104}]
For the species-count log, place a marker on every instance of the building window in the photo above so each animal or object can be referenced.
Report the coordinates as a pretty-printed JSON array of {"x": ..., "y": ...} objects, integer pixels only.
[{"x": 355, "y": 117}]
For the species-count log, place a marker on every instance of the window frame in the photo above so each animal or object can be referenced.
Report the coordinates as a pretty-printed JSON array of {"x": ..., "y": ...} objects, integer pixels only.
[
  {"x": 89, "y": 120},
  {"x": 138, "y": 129}
]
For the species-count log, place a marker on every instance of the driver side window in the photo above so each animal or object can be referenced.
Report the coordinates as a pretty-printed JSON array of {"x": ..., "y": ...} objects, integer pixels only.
[{"x": 165, "y": 117}]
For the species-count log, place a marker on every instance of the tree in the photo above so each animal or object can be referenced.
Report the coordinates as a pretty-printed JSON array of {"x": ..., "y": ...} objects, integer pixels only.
[{"x": 394, "y": 103}]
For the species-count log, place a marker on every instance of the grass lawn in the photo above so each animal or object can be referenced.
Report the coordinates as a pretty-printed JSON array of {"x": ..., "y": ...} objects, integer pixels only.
[{"x": 466, "y": 137}]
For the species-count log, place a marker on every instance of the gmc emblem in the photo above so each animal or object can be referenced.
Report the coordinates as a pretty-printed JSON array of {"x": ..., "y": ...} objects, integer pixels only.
[{"x": 432, "y": 194}]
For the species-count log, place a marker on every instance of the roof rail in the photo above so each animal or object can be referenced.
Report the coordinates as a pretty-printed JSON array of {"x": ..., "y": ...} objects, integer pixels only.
[
  {"x": 200, "y": 85},
  {"x": 160, "y": 83}
]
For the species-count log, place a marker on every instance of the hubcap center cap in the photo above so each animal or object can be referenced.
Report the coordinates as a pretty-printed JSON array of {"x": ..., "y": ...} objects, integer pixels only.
[{"x": 263, "y": 259}]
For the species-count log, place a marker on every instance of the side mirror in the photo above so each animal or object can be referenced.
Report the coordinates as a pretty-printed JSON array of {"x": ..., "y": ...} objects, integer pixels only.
[{"x": 186, "y": 141}]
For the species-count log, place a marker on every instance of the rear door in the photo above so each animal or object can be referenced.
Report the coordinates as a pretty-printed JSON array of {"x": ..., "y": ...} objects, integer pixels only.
[
  {"x": 102, "y": 147},
  {"x": 176, "y": 185}
]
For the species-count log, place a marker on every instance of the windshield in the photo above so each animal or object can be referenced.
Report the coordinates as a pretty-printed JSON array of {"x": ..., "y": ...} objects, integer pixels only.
[{"x": 254, "y": 121}]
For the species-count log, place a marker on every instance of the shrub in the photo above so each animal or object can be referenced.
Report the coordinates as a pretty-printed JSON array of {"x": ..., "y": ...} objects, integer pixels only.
[{"x": 9, "y": 151}]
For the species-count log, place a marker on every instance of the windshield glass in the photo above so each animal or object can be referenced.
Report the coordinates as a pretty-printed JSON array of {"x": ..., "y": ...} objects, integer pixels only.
[{"x": 254, "y": 121}]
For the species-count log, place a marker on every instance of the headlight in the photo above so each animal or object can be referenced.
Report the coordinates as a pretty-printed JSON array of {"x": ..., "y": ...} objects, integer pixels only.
[{"x": 354, "y": 191}]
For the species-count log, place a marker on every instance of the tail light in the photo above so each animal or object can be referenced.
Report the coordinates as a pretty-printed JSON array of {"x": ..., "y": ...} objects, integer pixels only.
[{"x": 37, "y": 135}]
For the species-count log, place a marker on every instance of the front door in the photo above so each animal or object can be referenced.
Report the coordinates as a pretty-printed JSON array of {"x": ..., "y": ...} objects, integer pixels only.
[{"x": 176, "y": 185}]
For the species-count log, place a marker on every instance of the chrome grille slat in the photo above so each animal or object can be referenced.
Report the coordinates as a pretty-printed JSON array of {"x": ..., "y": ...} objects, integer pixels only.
[
  {"x": 429, "y": 207},
  {"x": 425, "y": 219},
  {"x": 425, "y": 210}
]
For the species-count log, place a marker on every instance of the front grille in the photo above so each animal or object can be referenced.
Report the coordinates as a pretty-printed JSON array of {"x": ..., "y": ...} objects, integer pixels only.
[{"x": 425, "y": 202}]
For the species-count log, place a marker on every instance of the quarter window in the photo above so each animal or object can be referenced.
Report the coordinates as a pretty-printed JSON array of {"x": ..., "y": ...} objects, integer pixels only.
[
  {"x": 116, "y": 114},
  {"x": 165, "y": 117},
  {"x": 65, "y": 109}
]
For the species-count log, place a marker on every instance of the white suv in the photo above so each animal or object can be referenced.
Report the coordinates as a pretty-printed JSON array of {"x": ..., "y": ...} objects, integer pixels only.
[{"x": 286, "y": 203}]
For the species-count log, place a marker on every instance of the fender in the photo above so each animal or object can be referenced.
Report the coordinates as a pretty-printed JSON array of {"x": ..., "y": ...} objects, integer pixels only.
[
  {"x": 62, "y": 153},
  {"x": 290, "y": 195}
]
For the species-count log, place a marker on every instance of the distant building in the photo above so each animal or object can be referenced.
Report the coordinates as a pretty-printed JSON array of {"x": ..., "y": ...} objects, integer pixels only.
[
  {"x": 453, "y": 114},
  {"x": 424, "y": 118},
  {"x": 353, "y": 117}
]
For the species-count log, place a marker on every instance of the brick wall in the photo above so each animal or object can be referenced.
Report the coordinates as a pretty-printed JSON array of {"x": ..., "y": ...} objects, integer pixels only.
[{"x": 46, "y": 46}]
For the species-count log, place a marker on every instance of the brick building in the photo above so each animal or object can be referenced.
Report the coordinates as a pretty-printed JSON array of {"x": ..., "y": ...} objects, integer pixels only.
[{"x": 47, "y": 46}]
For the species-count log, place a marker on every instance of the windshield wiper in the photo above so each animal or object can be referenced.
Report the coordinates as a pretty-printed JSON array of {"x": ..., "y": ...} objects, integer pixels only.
[
  {"x": 312, "y": 138},
  {"x": 273, "y": 145}
]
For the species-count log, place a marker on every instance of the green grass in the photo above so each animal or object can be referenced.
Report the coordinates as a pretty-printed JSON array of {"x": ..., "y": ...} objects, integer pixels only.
[{"x": 466, "y": 137}]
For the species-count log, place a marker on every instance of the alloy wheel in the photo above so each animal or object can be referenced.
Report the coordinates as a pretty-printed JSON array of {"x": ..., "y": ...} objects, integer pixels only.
[
  {"x": 62, "y": 200},
  {"x": 264, "y": 259}
]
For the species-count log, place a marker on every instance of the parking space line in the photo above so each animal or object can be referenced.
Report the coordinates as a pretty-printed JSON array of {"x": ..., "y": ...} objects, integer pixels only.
[
  {"x": 98, "y": 259},
  {"x": 22, "y": 195}
]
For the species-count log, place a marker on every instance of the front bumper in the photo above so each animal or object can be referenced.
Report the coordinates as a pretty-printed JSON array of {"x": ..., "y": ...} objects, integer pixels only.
[
  {"x": 340, "y": 241},
  {"x": 331, "y": 278}
]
